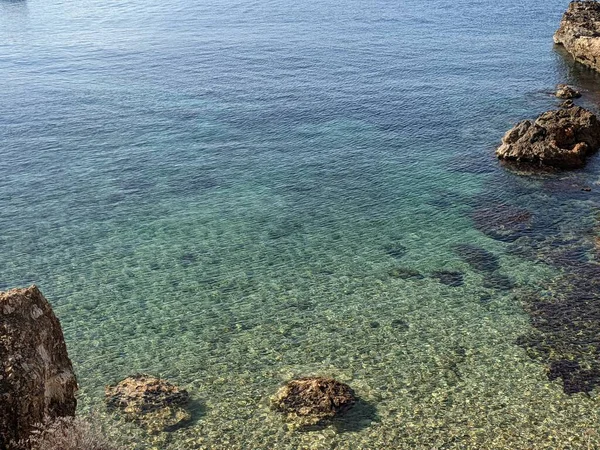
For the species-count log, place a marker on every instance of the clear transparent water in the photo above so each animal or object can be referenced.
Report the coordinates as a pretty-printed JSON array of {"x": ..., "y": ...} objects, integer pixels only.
[{"x": 218, "y": 193}]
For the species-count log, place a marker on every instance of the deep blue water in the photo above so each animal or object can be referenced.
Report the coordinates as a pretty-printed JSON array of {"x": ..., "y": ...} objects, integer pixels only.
[{"x": 219, "y": 192}]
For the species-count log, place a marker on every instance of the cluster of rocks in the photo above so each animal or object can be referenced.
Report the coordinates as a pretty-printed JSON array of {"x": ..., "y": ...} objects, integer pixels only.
[
  {"x": 38, "y": 385},
  {"x": 563, "y": 138}
]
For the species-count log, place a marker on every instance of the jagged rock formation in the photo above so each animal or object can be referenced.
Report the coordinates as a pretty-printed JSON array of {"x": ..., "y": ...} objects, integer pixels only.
[
  {"x": 150, "y": 402},
  {"x": 566, "y": 92},
  {"x": 562, "y": 138},
  {"x": 579, "y": 32},
  {"x": 313, "y": 400},
  {"x": 37, "y": 382}
]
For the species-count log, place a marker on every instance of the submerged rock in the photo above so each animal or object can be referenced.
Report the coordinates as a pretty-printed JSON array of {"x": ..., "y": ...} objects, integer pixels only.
[
  {"x": 502, "y": 221},
  {"x": 150, "y": 402},
  {"x": 562, "y": 139},
  {"x": 478, "y": 258},
  {"x": 449, "y": 277},
  {"x": 567, "y": 92},
  {"x": 313, "y": 400},
  {"x": 579, "y": 32},
  {"x": 37, "y": 382},
  {"x": 405, "y": 273}
]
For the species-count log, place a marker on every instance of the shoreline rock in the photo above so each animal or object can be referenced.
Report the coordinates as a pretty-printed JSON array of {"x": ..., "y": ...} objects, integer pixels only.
[
  {"x": 559, "y": 139},
  {"x": 579, "y": 32},
  {"x": 37, "y": 382}
]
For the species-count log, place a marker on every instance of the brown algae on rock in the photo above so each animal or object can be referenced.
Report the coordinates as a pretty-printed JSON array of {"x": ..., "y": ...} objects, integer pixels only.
[
  {"x": 313, "y": 400},
  {"x": 151, "y": 402}
]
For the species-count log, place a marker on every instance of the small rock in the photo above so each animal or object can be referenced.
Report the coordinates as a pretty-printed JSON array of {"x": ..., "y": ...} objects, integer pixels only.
[
  {"x": 150, "y": 402},
  {"x": 567, "y": 104},
  {"x": 586, "y": 189},
  {"x": 313, "y": 400},
  {"x": 567, "y": 92}
]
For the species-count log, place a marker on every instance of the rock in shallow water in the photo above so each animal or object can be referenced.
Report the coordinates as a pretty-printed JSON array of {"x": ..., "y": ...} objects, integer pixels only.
[
  {"x": 579, "y": 32},
  {"x": 37, "y": 382},
  {"x": 567, "y": 92},
  {"x": 313, "y": 400},
  {"x": 561, "y": 139},
  {"x": 151, "y": 402}
]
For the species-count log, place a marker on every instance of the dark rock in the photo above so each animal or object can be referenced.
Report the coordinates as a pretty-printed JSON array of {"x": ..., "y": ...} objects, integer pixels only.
[
  {"x": 37, "y": 382},
  {"x": 567, "y": 92},
  {"x": 562, "y": 139},
  {"x": 579, "y": 32},
  {"x": 313, "y": 400},
  {"x": 478, "y": 258},
  {"x": 449, "y": 277},
  {"x": 150, "y": 402}
]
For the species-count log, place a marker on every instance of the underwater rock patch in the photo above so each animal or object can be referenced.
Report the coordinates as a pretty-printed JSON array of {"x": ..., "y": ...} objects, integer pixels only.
[
  {"x": 151, "y": 402},
  {"x": 313, "y": 400},
  {"x": 502, "y": 222},
  {"x": 405, "y": 273},
  {"x": 499, "y": 281},
  {"x": 566, "y": 319},
  {"x": 478, "y": 258},
  {"x": 449, "y": 277},
  {"x": 395, "y": 250}
]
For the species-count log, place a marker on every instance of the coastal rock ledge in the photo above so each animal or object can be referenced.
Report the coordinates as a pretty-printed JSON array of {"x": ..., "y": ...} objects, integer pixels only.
[
  {"x": 579, "y": 32},
  {"x": 559, "y": 139},
  {"x": 37, "y": 382}
]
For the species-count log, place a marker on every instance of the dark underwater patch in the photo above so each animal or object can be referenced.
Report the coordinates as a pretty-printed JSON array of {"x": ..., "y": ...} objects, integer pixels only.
[
  {"x": 478, "y": 258},
  {"x": 502, "y": 222},
  {"x": 499, "y": 281},
  {"x": 566, "y": 318},
  {"x": 449, "y": 277},
  {"x": 405, "y": 273},
  {"x": 395, "y": 250}
]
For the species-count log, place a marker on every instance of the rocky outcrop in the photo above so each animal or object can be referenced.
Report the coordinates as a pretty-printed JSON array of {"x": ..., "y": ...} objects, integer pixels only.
[
  {"x": 150, "y": 402},
  {"x": 561, "y": 139},
  {"x": 313, "y": 400},
  {"x": 566, "y": 92},
  {"x": 37, "y": 383},
  {"x": 579, "y": 32}
]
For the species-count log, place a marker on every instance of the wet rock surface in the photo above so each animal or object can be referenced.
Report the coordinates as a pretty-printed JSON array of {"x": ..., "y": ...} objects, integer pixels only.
[
  {"x": 37, "y": 382},
  {"x": 579, "y": 32},
  {"x": 313, "y": 400},
  {"x": 557, "y": 139},
  {"x": 151, "y": 402}
]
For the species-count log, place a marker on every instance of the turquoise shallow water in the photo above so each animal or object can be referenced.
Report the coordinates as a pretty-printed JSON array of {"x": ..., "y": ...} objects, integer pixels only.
[{"x": 225, "y": 193}]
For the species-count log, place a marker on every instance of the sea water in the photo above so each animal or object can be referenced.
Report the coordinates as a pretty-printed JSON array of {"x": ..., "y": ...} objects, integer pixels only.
[{"x": 229, "y": 194}]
